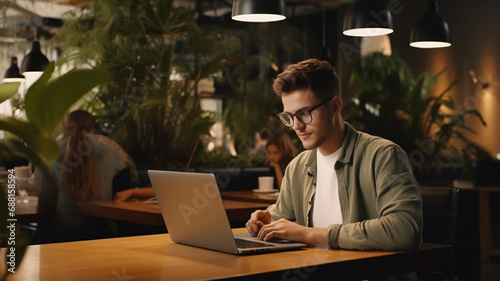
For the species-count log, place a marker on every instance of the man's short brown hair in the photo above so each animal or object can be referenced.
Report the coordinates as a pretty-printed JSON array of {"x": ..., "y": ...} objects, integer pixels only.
[{"x": 318, "y": 76}]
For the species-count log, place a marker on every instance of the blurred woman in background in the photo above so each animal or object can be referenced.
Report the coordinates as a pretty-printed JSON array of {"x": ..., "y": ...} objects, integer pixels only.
[
  {"x": 280, "y": 150},
  {"x": 88, "y": 165}
]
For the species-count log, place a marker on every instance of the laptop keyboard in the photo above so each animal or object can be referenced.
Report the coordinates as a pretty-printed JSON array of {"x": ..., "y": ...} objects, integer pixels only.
[{"x": 241, "y": 243}]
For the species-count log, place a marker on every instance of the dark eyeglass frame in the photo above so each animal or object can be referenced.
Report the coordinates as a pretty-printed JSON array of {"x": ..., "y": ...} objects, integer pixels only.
[{"x": 291, "y": 115}]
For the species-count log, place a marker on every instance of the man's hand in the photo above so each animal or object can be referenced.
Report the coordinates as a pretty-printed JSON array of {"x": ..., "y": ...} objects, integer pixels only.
[
  {"x": 287, "y": 230},
  {"x": 283, "y": 229},
  {"x": 257, "y": 220},
  {"x": 260, "y": 225}
]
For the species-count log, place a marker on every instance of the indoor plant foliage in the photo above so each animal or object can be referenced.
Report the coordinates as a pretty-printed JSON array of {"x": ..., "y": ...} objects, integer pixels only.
[
  {"x": 46, "y": 103},
  {"x": 157, "y": 119},
  {"x": 390, "y": 102},
  {"x": 266, "y": 51}
]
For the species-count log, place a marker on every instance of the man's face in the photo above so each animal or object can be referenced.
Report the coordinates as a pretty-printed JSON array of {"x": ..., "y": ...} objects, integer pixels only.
[{"x": 314, "y": 134}]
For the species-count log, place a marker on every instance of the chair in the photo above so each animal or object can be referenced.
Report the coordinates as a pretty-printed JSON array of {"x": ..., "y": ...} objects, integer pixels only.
[
  {"x": 251, "y": 176},
  {"x": 451, "y": 217},
  {"x": 227, "y": 178}
]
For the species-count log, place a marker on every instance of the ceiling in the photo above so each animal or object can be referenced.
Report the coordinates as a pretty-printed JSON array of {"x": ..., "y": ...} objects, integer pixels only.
[
  {"x": 22, "y": 18},
  {"x": 218, "y": 7},
  {"x": 25, "y": 17}
]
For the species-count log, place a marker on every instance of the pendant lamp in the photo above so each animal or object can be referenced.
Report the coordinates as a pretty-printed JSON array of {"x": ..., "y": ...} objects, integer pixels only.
[
  {"x": 34, "y": 61},
  {"x": 258, "y": 10},
  {"x": 12, "y": 73},
  {"x": 430, "y": 31},
  {"x": 367, "y": 18}
]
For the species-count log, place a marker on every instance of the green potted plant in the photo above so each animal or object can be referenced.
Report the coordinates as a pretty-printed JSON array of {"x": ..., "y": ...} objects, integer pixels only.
[
  {"x": 266, "y": 50},
  {"x": 46, "y": 103},
  {"x": 156, "y": 55},
  {"x": 390, "y": 102}
]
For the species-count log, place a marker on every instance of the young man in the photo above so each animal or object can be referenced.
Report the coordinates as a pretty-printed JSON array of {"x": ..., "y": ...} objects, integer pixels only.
[{"x": 348, "y": 189}]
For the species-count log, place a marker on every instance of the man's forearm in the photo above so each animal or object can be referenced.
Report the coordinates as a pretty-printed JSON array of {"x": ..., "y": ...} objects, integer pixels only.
[{"x": 315, "y": 236}]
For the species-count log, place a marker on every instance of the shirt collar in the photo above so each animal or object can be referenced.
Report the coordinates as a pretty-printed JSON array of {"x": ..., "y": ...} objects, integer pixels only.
[{"x": 347, "y": 149}]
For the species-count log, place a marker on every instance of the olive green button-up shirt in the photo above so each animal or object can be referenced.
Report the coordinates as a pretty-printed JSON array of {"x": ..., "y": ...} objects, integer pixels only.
[{"x": 379, "y": 196}]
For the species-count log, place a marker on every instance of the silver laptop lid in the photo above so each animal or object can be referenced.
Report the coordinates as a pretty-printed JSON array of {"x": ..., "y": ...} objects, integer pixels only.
[{"x": 193, "y": 210}]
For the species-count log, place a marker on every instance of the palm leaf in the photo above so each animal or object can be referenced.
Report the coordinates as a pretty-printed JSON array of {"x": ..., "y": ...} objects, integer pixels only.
[
  {"x": 46, "y": 106},
  {"x": 33, "y": 137},
  {"x": 8, "y": 90},
  {"x": 477, "y": 114}
]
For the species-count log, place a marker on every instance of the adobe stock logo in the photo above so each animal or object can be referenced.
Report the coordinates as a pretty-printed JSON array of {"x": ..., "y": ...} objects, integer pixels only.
[{"x": 201, "y": 200}]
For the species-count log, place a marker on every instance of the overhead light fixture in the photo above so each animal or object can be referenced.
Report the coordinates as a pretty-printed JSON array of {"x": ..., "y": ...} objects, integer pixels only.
[
  {"x": 258, "y": 10},
  {"x": 12, "y": 73},
  {"x": 367, "y": 18},
  {"x": 34, "y": 61},
  {"x": 430, "y": 31},
  {"x": 33, "y": 65}
]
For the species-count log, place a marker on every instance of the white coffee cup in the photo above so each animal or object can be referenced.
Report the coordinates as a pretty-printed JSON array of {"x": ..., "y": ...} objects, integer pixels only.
[{"x": 266, "y": 183}]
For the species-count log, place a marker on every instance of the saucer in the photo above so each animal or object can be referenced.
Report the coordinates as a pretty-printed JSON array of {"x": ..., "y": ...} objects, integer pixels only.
[{"x": 265, "y": 191}]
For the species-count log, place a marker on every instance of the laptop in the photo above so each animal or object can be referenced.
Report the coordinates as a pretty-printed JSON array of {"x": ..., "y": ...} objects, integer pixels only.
[{"x": 194, "y": 215}]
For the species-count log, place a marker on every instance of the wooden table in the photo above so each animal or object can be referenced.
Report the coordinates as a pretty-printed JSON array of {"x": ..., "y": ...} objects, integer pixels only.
[
  {"x": 156, "y": 257},
  {"x": 250, "y": 196},
  {"x": 149, "y": 213}
]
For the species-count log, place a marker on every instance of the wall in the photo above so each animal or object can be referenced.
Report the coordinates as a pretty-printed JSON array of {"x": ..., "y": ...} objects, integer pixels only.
[{"x": 475, "y": 46}]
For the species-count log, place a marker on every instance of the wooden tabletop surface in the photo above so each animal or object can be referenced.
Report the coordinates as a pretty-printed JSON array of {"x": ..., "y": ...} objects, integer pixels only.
[
  {"x": 250, "y": 196},
  {"x": 156, "y": 257}
]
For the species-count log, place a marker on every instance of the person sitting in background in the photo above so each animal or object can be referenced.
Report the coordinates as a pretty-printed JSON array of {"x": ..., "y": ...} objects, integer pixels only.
[
  {"x": 261, "y": 138},
  {"x": 280, "y": 150},
  {"x": 88, "y": 165}
]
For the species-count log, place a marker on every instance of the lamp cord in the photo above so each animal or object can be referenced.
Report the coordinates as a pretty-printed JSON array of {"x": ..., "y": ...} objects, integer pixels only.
[{"x": 324, "y": 27}]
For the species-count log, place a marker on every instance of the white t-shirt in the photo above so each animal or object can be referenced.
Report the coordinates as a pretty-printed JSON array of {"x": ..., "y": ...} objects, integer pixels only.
[{"x": 326, "y": 204}]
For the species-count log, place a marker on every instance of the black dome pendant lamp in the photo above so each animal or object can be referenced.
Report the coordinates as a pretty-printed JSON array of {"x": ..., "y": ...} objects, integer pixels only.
[
  {"x": 258, "y": 10},
  {"x": 366, "y": 18},
  {"x": 12, "y": 73},
  {"x": 35, "y": 60},
  {"x": 430, "y": 31}
]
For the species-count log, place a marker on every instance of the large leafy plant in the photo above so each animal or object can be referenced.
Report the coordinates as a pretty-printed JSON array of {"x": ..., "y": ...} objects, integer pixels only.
[
  {"x": 157, "y": 55},
  {"x": 46, "y": 103},
  {"x": 390, "y": 102},
  {"x": 266, "y": 51}
]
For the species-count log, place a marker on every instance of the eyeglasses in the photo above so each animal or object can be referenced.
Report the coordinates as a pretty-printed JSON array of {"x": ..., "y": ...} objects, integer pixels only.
[{"x": 303, "y": 115}]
